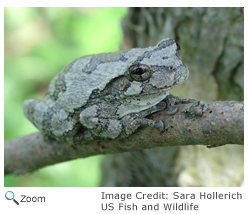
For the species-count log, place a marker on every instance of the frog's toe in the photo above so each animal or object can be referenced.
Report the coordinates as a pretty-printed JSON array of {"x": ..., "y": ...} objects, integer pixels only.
[
  {"x": 159, "y": 125},
  {"x": 160, "y": 106},
  {"x": 171, "y": 110}
]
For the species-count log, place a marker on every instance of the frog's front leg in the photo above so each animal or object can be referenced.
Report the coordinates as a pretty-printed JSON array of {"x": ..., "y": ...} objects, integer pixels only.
[
  {"x": 50, "y": 118},
  {"x": 114, "y": 127},
  {"x": 172, "y": 100}
]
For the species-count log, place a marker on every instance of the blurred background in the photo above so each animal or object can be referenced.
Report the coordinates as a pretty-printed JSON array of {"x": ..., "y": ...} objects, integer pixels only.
[{"x": 38, "y": 43}]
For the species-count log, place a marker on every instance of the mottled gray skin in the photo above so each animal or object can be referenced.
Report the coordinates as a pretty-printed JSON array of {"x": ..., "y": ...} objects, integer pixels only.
[{"x": 110, "y": 94}]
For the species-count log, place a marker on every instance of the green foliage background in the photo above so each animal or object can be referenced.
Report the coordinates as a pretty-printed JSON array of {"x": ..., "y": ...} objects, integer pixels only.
[{"x": 38, "y": 43}]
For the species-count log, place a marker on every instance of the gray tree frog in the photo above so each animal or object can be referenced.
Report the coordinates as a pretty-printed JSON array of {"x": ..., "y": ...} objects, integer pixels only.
[{"x": 109, "y": 94}]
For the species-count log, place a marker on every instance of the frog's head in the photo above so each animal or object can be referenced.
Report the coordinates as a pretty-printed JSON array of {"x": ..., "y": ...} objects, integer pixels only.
[{"x": 158, "y": 68}]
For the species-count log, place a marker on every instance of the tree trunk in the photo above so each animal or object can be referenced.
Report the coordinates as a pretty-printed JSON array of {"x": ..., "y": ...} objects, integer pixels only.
[{"x": 212, "y": 44}]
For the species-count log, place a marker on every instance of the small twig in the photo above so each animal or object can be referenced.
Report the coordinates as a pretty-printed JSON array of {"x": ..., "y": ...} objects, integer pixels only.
[{"x": 201, "y": 123}]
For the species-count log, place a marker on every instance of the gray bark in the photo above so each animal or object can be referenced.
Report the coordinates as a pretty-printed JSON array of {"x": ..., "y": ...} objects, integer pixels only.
[{"x": 212, "y": 43}]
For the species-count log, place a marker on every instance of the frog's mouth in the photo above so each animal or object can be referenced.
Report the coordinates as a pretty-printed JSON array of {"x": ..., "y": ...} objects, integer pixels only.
[
  {"x": 155, "y": 90},
  {"x": 158, "y": 91}
]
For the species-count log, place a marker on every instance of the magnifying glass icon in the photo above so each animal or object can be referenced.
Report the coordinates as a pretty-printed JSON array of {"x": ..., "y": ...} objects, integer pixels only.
[{"x": 10, "y": 196}]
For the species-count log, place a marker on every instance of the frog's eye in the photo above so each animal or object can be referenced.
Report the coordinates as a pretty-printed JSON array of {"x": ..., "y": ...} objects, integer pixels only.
[{"x": 139, "y": 72}]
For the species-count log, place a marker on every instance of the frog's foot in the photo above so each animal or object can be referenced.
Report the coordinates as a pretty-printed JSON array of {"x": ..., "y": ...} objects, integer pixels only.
[
  {"x": 142, "y": 121},
  {"x": 152, "y": 123},
  {"x": 135, "y": 120},
  {"x": 174, "y": 100}
]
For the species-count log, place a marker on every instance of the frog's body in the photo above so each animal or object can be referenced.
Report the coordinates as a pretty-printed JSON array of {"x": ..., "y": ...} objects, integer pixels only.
[{"x": 110, "y": 93}]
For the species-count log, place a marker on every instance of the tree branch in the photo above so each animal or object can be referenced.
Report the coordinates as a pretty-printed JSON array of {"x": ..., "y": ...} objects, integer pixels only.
[{"x": 200, "y": 123}]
